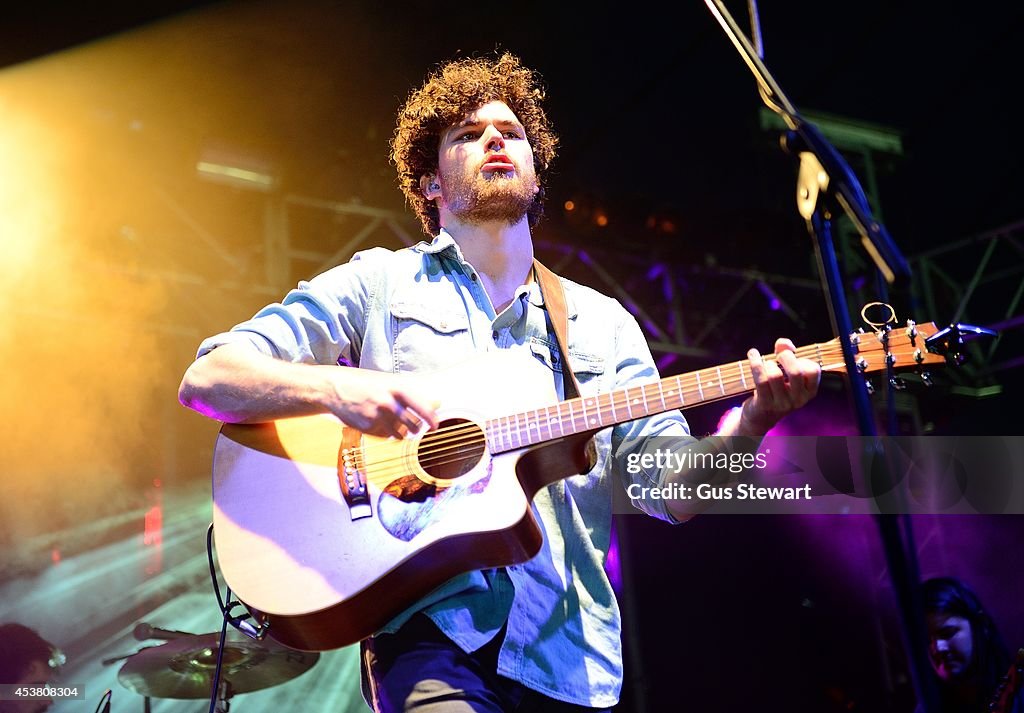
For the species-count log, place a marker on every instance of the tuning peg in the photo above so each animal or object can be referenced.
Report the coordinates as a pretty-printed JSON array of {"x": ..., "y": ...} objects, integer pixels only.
[
  {"x": 897, "y": 383},
  {"x": 912, "y": 331},
  {"x": 869, "y": 386},
  {"x": 926, "y": 377}
]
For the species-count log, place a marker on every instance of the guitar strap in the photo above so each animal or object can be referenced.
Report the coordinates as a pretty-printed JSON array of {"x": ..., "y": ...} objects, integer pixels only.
[{"x": 554, "y": 300}]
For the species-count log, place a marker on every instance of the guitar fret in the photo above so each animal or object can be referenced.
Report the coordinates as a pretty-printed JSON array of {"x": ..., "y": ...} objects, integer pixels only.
[
  {"x": 743, "y": 376},
  {"x": 629, "y": 404},
  {"x": 554, "y": 420},
  {"x": 721, "y": 384},
  {"x": 634, "y": 400},
  {"x": 700, "y": 389},
  {"x": 643, "y": 392}
]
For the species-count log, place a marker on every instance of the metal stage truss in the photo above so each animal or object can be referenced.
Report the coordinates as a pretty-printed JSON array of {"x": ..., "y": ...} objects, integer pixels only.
[{"x": 692, "y": 313}]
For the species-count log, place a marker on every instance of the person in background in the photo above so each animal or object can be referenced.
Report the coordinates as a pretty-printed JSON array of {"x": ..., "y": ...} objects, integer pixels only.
[
  {"x": 965, "y": 648},
  {"x": 27, "y": 659}
]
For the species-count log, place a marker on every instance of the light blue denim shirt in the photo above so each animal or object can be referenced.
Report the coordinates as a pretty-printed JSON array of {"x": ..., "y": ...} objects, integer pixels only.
[{"x": 423, "y": 308}]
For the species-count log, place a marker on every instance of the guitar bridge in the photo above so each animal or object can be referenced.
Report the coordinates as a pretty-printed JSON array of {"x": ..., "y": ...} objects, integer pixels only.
[{"x": 351, "y": 476}]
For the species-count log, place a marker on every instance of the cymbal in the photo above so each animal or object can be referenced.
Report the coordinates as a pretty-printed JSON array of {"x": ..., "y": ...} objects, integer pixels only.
[{"x": 184, "y": 667}]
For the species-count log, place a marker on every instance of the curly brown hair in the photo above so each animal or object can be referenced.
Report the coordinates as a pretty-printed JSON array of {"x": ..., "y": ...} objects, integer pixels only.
[{"x": 452, "y": 91}]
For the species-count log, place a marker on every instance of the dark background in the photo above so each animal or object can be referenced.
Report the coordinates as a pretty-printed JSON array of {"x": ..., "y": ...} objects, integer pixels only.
[
  {"x": 659, "y": 125},
  {"x": 644, "y": 94}
]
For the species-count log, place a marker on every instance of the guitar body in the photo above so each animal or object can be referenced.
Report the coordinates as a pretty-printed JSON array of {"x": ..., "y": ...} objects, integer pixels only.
[{"x": 325, "y": 567}]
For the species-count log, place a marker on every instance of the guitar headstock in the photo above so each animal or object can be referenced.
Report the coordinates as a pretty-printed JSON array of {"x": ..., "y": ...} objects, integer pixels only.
[
  {"x": 900, "y": 347},
  {"x": 896, "y": 347}
]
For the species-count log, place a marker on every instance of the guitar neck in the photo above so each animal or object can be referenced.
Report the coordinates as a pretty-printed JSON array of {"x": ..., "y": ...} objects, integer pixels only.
[
  {"x": 593, "y": 413},
  {"x": 1006, "y": 691}
]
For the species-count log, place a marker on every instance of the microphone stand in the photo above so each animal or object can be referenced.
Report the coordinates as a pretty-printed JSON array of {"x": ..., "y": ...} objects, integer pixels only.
[{"x": 825, "y": 181}]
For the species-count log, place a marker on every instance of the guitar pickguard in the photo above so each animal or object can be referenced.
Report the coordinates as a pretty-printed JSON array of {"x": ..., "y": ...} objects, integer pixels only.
[{"x": 408, "y": 506}]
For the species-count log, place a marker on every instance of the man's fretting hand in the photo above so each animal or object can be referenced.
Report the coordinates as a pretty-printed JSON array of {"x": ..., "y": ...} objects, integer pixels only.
[{"x": 782, "y": 385}]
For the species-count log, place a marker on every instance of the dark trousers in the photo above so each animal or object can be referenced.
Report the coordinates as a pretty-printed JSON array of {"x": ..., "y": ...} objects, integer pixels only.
[{"x": 420, "y": 669}]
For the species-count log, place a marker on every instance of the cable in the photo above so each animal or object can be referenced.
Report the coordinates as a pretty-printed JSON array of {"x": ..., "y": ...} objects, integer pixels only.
[
  {"x": 104, "y": 701},
  {"x": 252, "y": 630},
  {"x": 213, "y": 570},
  {"x": 224, "y": 603}
]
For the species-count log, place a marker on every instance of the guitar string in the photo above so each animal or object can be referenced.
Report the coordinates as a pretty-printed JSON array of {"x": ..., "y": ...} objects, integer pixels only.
[
  {"x": 469, "y": 435},
  {"x": 387, "y": 470},
  {"x": 466, "y": 428},
  {"x": 830, "y": 350},
  {"x": 441, "y": 447},
  {"x": 453, "y": 432}
]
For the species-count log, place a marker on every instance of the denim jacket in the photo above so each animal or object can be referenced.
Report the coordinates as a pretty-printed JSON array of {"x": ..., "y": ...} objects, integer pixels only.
[{"x": 422, "y": 308}]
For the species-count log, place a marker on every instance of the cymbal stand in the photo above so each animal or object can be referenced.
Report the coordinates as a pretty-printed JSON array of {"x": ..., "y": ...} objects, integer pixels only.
[
  {"x": 220, "y": 691},
  {"x": 146, "y": 704},
  {"x": 223, "y": 698}
]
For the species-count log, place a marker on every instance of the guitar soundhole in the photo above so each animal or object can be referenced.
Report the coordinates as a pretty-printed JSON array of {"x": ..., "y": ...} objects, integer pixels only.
[{"x": 454, "y": 449}]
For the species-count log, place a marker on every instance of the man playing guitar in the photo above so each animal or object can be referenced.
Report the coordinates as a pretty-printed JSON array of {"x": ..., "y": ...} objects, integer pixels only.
[{"x": 472, "y": 147}]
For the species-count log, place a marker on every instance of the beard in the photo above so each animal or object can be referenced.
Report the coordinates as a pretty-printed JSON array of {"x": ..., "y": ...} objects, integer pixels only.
[{"x": 502, "y": 197}]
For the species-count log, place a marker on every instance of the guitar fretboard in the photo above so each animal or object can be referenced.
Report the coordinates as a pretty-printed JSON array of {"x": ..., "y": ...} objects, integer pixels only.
[{"x": 592, "y": 413}]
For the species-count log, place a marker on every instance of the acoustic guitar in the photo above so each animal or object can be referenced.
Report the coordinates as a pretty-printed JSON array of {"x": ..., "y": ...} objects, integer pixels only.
[{"x": 326, "y": 533}]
